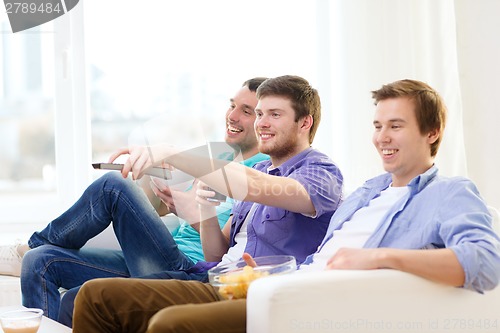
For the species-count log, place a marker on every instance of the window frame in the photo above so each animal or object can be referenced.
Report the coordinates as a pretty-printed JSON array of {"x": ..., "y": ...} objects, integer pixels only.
[{"x": 72, "y": 134}]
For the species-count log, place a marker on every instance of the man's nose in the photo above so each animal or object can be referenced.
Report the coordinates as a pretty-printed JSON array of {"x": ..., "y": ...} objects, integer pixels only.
[
  {"x": 233, "y": 115},
  {"x": 262, "y": 121},
  {"x": 383, "y": 136}
]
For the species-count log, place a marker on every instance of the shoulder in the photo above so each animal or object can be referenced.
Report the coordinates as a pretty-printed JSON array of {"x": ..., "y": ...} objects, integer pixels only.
[
  {"x": 452, "y": 185},
  {"x": 259, "y": 157},
  {"x": 316, "y": 159}
]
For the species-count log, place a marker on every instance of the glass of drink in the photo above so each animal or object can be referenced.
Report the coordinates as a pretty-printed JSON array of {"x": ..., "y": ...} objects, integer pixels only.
[{"x": 21, "y": 320}]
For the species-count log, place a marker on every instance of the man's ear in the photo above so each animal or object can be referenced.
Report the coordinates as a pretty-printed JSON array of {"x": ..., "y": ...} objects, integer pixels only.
[
  {"x": 306, "y": 122},
  {"x": 433, "y": 135}
]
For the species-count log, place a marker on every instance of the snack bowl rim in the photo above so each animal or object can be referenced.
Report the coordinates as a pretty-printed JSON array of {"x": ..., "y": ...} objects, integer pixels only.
[{"x": 237, "y": 267}]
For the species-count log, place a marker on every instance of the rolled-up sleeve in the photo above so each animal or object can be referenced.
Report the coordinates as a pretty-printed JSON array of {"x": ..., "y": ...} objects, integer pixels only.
[
  {"x": 466, "y": 228},
  {"x": 323, "y": 182}
]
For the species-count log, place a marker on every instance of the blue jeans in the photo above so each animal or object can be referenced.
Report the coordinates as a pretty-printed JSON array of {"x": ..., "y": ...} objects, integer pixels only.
[{"x": 57, "y": 259}]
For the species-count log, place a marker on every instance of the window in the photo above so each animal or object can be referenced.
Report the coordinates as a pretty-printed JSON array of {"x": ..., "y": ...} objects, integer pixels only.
[
  {"x": 75, "y": 89},
  {"x": 27, "y": 111},
  {"x": 173, "y": 62},
  {"x": 38, "y": 121}
]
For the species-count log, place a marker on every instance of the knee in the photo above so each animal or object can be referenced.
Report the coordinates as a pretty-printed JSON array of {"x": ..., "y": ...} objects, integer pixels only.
[
  {"x": 96, "y": 289},
  {"x": 42, "y": 260},
  {"x": 114, "y": 178},
  {"x": 91, "y": 296},
  {"x": 223, "y": 316},
  {"x": 102, "y": 291},
  {"x": 91, "y": 306},
  {"x": 35, "y": 260},
  {"x": 171, "y": 319},
  {"x": 114, "y": 182}
]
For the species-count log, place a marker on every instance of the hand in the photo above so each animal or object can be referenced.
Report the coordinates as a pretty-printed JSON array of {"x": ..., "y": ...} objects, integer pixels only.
[
  {"x": 137, "y": 161},
  {"x": 202, "y": 194},
  {"x": 141, "y": 158},
  {"x": 348, "y": 258},
  {"x": 181, "y": 203}
]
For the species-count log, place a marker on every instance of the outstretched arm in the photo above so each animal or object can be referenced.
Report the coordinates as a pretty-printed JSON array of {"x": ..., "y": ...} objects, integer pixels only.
[{"x": 230, "y": 178}]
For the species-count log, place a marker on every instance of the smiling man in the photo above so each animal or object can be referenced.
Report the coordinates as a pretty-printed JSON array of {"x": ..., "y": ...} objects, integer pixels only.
[
  {"x": 55, "y": 257},
  {"x": 399, "y": 140},
  {"x": 409, "y": 219},
  {"x": 291, "y": 197},
  {"x": 284, "y": 206},
  {"x": 395, "y": 216}
]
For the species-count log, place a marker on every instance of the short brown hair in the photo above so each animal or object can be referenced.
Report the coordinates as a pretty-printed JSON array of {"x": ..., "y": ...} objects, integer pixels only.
[
  {"x": 304, "y": 98},
  {"x": 430, "y": 109},
  {"x": 254, "y": 83}
]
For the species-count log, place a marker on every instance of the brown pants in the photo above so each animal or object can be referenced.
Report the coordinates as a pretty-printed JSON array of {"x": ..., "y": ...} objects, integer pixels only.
[{"x": 153, "y": 306}]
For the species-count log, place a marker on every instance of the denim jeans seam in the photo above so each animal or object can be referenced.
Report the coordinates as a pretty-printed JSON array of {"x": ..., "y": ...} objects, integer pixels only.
[
  {"x": 82, "y": 263},
  {"x": 150, "y": 234}
]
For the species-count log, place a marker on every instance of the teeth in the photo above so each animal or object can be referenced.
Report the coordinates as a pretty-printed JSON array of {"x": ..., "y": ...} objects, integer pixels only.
[
  {"x": 265, "y": 136},
  {"x": 389, "y": 151},
  {"x": 234, "y": 129}
]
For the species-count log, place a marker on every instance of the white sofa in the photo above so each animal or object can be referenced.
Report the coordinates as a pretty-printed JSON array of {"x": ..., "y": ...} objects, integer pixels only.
[{"x": 367, "y": 301}]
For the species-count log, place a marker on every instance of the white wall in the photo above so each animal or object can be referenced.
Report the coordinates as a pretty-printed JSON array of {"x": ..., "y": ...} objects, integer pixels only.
[{"x": 478, "y": 41}]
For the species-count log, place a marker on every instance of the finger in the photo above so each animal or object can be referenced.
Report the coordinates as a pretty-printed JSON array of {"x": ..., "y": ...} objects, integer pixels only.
[
  {"x": 202, "y": 201},
  {"x": 249, "y": 260},
  {"x": 118, "y": 153},
  {"x": 139, "y": 162},
  {"x": 126, "y": 168},
  {"x": 204, "y": 193},
  {"x": 139, "y": 166},
  {"x": 160, "y": 185},
  {"x": 329, "y": 266},
  {"x": 156, "y": 191}
]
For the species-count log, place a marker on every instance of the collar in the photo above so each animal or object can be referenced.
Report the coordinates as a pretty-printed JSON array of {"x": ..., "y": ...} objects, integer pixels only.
[
  {"x": 416, "y": 185},
  {"x": 289, "y": 164}
]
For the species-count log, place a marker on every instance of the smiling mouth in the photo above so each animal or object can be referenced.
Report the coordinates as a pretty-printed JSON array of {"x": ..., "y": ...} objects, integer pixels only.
[
  {"x": 389, "y": 152},
  {"x": 265, "y": 136},
  {"x": 233, "y": 129}
]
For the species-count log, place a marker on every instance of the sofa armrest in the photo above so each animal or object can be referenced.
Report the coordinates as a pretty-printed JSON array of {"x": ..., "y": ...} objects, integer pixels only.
[{"x": 367, "y": 301}]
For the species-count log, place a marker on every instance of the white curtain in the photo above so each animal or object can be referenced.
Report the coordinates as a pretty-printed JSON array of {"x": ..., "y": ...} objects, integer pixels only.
[{"x": 374, "y": 42}]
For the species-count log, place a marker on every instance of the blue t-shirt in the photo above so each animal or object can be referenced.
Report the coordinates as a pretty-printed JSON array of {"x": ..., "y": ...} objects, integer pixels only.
[{"x": 188, "y": 239}]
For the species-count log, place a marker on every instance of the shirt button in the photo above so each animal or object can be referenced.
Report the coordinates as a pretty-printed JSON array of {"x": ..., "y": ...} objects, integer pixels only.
[
  {"x": 240, "y": 217},
  {"x": 268, "y": 216}
]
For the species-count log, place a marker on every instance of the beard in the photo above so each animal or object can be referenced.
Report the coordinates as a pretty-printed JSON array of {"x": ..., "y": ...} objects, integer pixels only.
[{"x": 281, "y": 149}]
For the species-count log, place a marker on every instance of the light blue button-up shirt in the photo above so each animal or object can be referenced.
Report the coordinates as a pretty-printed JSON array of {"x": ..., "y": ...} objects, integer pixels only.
[{"x": 438, "y": 212}]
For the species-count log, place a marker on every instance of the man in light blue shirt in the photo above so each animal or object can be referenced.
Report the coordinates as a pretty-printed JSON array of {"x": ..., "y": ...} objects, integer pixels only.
[
  {"x": 409, "y": 219},
  {"x": 446, "y": 217}
]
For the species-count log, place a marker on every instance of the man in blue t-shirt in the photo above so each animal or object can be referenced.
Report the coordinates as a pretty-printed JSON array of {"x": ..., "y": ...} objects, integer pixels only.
[
  {"x": 284, "y": 207},
  {"x": 54, "y": 257}
]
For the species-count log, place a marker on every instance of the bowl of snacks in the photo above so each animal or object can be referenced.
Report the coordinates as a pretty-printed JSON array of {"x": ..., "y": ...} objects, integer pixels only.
[
  {"x": 232, "y": 280},
  {"x": 21, "y": 320}
]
